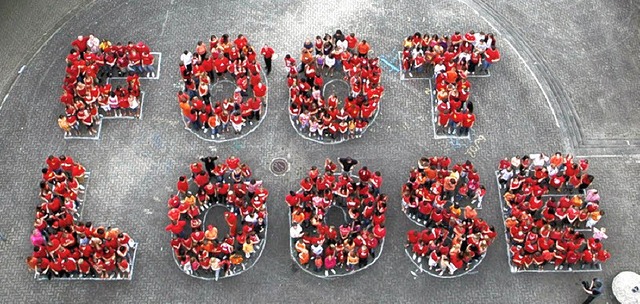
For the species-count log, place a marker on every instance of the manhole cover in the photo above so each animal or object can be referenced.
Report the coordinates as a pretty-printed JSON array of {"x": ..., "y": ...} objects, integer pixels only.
[{"x": 279, "y": 166}]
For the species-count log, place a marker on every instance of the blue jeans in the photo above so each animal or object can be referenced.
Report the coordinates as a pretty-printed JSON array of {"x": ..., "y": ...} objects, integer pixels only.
[
  {"x": 486, "y": 65},
  {"x": 338, "y": 65},
  {"x": 214, "y": 130},
  {"x": 148, "y": 69},
  {"x": 196, "y": 124},
  {"x": 135, "y": 69}
]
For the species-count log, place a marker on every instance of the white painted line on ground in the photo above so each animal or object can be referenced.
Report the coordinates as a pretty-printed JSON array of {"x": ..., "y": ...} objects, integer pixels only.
[
  {"x": 164, "y": 23},
  {"x": 337, "y": 275},
  {"x": 3, "y": 100},
  {"x": 263, "y": 116},
  {"x": 333, "y": 142},
  {"x": 479, "y": 76},
  {"x": 95, "y": 137},
  {"x": 429, "y": 272},
  {"x": 142, "y": 95},
  {"x": 263, "y": 243},
  {"x": 555, "y": 117},
  {"x": 515, "y": 269},
  {"x": 433, "y": 119},
  {"x": 159, "y": 65}
]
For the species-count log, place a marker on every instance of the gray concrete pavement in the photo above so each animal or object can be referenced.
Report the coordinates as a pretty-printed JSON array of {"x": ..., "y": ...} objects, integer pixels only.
[
  {"x": 136, "y": 163},
  {"x": 24, "y": 28}
]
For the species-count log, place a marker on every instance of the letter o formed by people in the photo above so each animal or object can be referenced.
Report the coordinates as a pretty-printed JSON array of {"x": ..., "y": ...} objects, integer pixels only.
[
  {"x": 442, "y": 199},
  {"x": 215, "y": 192},
  {"x": 337, "y": 221},
  {"x": 224, "y": 90},
  {"x": 335, "y": 90},
  {"x": 67, "y": 248}
]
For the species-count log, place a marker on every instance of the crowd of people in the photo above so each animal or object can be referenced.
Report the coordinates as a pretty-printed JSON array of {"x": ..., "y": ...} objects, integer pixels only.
[
  {"x": 452, "y": 59},
  {"x": 224, "y": 58},
  {"x": 441, "y": 196},
  {"x": 65, "y": 247},
  {"x": 469, "y": 53},
  {"x": 352, "y": 245},
  {"x": 333, "y": 118},
  {"x": 206, "y": 252},
  {"x": 549, "y": 208},
  {"x": 87, "y": 97}
]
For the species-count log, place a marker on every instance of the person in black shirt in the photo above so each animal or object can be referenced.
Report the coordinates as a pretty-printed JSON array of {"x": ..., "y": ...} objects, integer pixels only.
[
  {"x": 593, "y": 289},
  {"x": 347, "y": 163},
  {"x": 209, "y": 163}
]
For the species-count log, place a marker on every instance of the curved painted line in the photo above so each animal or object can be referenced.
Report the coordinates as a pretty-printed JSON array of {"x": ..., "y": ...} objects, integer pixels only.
[
  {"x": 62, "y": 21},
  {"x": 431, "y": 273},
  {"x": 293, "y": 254},
  {"x": 334, "y": 142},
  {"x": 243, "y": 135},
  {"x": 263, "y": 243},
  {"x": 571, "y": 122}
]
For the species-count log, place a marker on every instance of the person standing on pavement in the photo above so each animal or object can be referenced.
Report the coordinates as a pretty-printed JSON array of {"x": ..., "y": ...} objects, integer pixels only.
[
  {"x": 267, "y": 52},
  {"x": 187, "y": 59},
  {"x": 593, "y": 289},
  {"x": 347, "y": 163}
]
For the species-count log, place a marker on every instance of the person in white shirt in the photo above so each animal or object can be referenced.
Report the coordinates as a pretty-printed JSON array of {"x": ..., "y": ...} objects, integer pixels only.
[
  {"x": 317, "y": 250},
  {"x": 329, "y": 62},
  {"x": 505, "y": 176},
  {"x": 540, "y": 160},
  {"x": 296, "y": 231},
  {"x": 251, "y": 218},
  {"x": 215, "y": 266},
  {"x": 599, "y": 234},
  {"x": 93, "y": 44},
  {"x": 187, "y": 59},
  {"x": 439, "y": 68}
]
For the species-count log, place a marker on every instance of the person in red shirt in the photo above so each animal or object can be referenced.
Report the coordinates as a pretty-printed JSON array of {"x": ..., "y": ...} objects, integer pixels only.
[
  {"x": 352, "y": 42},
  {"x": 363, "y": 48},
  {"x": 467, "y": 122},
  {"x": 182, "y": 185},
  {"x": 491, "y": 56},
  {"x": 232, "y": 222},
  {"x": 80, "y": 44},
  {"x": 267, "y": 54}
]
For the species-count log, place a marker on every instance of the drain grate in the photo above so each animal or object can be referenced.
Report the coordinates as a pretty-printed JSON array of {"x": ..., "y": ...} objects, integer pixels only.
[{"x": 279, "y": 166}]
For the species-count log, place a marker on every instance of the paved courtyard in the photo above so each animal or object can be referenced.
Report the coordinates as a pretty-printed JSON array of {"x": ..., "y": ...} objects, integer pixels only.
[{"x": 567, "y": 81}]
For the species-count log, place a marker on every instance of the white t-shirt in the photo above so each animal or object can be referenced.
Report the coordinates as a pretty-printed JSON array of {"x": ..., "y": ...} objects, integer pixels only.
[
  {"x": 295, "y": 232},
  {"x": 538, "y": 161},
  {"x": 186, "y": 58},
  {"x": 478, "y": 38},
  {"x": 316, "y": 249},
  {"x": 93, "y": 44},
  {"x": 328, "y": 61},
  {"x": 506, "y": 175},
  {"x": 597, "y": 234}
]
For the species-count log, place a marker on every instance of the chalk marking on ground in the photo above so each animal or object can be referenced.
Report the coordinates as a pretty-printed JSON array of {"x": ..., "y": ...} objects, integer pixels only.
[{"x": 263, "y": 116}]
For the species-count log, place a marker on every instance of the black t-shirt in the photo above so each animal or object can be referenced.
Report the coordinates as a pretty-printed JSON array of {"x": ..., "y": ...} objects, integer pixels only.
[
  {"x": 347, "y": 163},
  {"x": 598, "y": 287},
  {"x": 209, "y": 162}
]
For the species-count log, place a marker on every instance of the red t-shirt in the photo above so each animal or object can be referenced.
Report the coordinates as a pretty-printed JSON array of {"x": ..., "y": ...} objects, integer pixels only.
[{"x": 267, "y": 52}]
